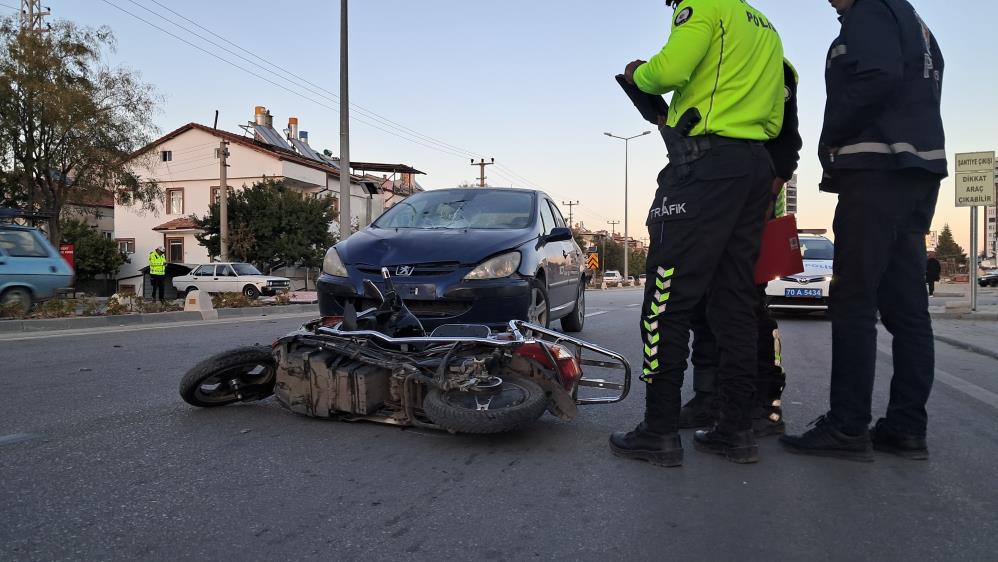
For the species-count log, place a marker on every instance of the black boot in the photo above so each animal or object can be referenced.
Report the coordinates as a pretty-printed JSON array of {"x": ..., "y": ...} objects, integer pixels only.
[
  {"x": 887, "y": 440},
  {"x": 736, "y": 446},
  {"x": 656, "y": 439},
  {"x": 701, "y": 411},
  {"x": 660, "y": 449},
  {"x": 825, "y": 440}
]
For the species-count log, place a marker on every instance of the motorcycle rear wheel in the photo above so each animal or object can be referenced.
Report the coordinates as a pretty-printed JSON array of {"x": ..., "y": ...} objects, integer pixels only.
[
  {"x": 209, "y": 383},
  {"x": 518, "y": 402}
]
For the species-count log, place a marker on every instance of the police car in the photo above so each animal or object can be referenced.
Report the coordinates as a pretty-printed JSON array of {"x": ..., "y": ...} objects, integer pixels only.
[{"x": 807, "y": 291}]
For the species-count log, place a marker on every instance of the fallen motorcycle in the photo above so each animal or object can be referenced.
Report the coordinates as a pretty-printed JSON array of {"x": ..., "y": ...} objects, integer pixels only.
[{"x": 379, "y": 365}]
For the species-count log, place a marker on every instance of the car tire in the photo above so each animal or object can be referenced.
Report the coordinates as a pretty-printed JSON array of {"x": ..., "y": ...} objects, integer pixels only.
[
  {"x": 539, "y": 307},
  {"x": 251, "y": 292},
  {"x": 576, "y": 319},
  {"x": 190, "y": 290},
  {"x": 17, "y": 300}
]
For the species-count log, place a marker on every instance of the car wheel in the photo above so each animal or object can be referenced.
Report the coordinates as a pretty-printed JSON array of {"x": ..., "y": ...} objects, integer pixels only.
[
  {"x": 189, "y": 290},
  {"x": 539, "y": 309},
  {"x": 251, "y": 292},
  {"x": 577, "y": 319},
  {"x": 16, "y": 301}
]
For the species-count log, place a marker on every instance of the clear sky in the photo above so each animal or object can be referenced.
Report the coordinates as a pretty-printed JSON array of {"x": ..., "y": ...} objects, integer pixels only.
[{"x": 529, "y": 82}]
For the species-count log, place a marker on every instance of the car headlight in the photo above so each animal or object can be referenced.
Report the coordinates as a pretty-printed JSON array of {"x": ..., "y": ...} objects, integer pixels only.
[
  {"x": 333, "y": 265},
  {"x": 497, "y": 267}
]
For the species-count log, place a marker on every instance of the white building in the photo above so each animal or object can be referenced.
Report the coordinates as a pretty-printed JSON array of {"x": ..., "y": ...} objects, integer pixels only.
[{"x": 185, "y": 164}]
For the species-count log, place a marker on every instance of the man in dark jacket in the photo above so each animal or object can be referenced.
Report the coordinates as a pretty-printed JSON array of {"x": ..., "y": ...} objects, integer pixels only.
[
  {"x": 767, "y": 411},
  {"x": 933, "y": 270},
  {"x": 882, "y": 148}
]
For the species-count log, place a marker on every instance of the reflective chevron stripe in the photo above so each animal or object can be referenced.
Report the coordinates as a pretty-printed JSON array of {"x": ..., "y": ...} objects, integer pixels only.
[{"x": 657, "y": 305}]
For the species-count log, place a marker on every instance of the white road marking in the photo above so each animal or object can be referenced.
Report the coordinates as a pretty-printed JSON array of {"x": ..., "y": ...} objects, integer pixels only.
[
  {"x": 591, "y": 314},
  {"x": 970, "y": 389},
  {"x": 633, "y": 305},
  {"x": 16, "y": 438},
  {"x": 24, "y": 336}
]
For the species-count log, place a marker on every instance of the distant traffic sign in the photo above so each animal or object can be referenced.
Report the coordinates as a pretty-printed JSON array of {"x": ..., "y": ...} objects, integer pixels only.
[
  {"x": 975, "y": 179},
  {"x": 975, "y": 161},
  {"x": 592, "y": 261},
  {"x": 975, "y": 189}
]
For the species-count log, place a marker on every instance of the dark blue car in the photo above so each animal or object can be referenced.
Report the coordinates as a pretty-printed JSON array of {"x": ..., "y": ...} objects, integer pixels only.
[{"x": 465, "y": 256}]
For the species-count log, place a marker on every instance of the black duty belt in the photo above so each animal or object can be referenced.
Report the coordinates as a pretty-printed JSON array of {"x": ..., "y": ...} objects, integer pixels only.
[{"x": 683, "y": 150}]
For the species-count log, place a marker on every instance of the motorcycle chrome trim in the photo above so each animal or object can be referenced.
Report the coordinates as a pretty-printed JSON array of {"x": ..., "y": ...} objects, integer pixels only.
[{"x": 517, "y": 328}]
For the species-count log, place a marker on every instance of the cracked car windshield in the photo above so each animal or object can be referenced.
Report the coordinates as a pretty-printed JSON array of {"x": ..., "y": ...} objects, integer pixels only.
[{"x": 485, "y": 210}]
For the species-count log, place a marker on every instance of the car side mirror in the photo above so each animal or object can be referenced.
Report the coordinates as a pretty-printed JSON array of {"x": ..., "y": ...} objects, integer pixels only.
[{"x": 559, "y": 234}]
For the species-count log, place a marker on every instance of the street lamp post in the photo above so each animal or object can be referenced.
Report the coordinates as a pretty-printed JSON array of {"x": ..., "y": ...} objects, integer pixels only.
[{"x": 627, "y": 248}]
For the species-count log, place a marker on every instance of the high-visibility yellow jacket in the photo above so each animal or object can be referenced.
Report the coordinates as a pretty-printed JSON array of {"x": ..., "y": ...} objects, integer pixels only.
[
  {"x": 726, "y": 59},
  {"x": 157, "y": 263}
]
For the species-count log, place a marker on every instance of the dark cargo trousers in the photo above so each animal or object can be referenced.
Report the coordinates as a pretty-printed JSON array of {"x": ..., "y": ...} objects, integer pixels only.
[
  {"x": 770, "y": 377},
  {"x": 705, "y": 229},
  {"x": 880, "y": 225}
]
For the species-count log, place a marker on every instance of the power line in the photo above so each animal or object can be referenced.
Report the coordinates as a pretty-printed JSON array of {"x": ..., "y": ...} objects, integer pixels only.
[
  {"x": 404, "y": 133},
  {"x": 331, "y": 95},
  {"x": 269, "y": 81}
]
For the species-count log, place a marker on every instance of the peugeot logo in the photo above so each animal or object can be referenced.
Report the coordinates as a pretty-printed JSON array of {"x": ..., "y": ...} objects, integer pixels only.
[{"x": 404, "y": 270}]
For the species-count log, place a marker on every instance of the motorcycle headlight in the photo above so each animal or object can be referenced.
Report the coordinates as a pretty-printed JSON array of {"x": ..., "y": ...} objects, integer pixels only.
[
  {"x": 333, "y": 265},
  {"x": 497, "y": 267}
]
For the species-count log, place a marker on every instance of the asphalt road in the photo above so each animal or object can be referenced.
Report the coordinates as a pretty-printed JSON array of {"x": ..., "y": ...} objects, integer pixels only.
[{"x": 101, "y": 460}]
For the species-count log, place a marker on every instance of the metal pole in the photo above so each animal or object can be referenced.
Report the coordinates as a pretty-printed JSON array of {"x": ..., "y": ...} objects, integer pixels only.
[
  {"x": 973, "y": 259},
  {"x": 345, "y": 217},
  {"x": 627, "y": 247},
  {"x": 223, "y": 202}
]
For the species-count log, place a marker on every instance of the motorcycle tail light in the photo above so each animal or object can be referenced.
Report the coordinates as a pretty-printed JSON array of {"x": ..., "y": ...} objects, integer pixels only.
[{"x": 567, "y": 365}]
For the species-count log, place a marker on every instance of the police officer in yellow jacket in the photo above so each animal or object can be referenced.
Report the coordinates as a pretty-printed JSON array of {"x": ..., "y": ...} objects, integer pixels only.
[
  {"x": 157, "y": 273},
  {"x": 724, "y": 61}
]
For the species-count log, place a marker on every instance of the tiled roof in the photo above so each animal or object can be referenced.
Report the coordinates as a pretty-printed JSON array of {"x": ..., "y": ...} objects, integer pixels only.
[{"x": 182, "y": 223}]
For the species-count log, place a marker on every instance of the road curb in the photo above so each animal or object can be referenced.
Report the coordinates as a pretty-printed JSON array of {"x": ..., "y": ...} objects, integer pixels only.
[
  {"x": 968, "y": 346},
  {"x": 983, "y": 316},
  {"x": 84, "y": 322}
]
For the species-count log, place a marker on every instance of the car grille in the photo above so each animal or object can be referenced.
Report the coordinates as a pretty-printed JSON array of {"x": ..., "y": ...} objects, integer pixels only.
[
  {"x": 419, "y": 269},
  {"x": 805, "y": 280},
  {"x": 422, "y": 309},
  {"x": 279, "y": 284}
]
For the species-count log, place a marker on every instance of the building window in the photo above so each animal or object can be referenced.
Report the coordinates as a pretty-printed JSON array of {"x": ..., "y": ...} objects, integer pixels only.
[
  {"x": 126, "y": 245},
  {"x": 107, "y": 234},
  {"x": 175, "y": 201},
  {"x": 166, "y": 155},
  {"x": 175, "y": 250}
]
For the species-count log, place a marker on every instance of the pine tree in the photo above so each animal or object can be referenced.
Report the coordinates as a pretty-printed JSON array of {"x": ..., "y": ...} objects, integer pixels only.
[{"x": 948, "y": 249}]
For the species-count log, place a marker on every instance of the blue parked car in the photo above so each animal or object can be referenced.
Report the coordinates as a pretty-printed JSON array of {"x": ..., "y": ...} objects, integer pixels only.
[
  {"x": 465, "y": 256},
  {"x": 31, "y": 270}
]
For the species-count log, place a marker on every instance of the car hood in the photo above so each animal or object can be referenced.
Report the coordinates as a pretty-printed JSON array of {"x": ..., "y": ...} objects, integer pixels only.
[
  {"x": 813, "y": 268},
  {"x": 388, "y": 247}
]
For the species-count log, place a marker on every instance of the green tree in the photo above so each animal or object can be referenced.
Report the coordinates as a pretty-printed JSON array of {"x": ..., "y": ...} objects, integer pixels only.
[
  {"x": 271, "y": 224},
  {"x": 67, "y": 120},
  {"x": 948, "y": 249},
  {"x": 93, "y": 254}
]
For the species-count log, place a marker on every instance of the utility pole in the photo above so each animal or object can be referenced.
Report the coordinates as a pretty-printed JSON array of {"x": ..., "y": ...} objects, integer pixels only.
[
  {"x": 345, "y": 218},
  {"x": 570, "y": 205},
  {"x": 32, "y": 15},
  {"x": 627, "y": 246},
  {"x": 613, "y": 225},
  {"x": 223, "y": 201},
  {"x": 482, "y": 164}
]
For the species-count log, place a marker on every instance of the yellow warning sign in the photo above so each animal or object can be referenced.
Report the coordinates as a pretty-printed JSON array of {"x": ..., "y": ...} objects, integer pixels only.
[{"x": 592, "y": 261}]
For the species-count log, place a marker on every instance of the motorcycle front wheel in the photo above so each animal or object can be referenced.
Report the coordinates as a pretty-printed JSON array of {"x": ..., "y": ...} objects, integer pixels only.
[
  {"x": 516, "y": 403},
  {"x": 244, "y": 374}
]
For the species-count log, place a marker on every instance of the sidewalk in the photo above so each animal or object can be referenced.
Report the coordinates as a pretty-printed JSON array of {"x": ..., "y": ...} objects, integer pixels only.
[
  {"x": 952, "y": 300},
  {"x": 978, "y": 336}
]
